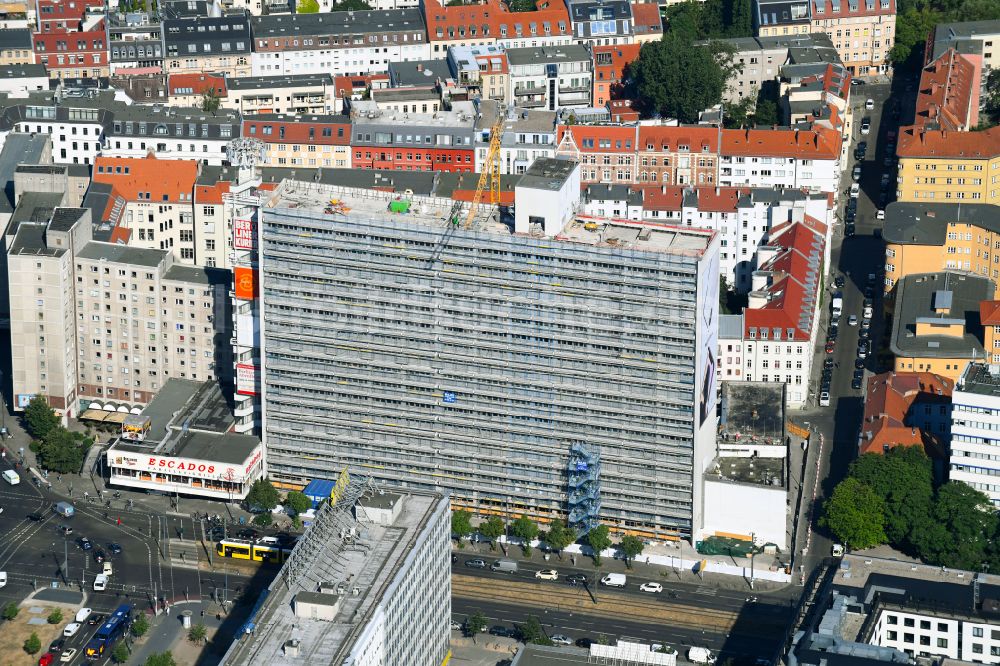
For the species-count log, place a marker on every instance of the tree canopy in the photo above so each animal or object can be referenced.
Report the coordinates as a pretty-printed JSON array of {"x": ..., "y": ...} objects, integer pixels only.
[
  {"x": 63, "y": 451},
  {"x": 915, "y": 19},
  {"x": 350, "y": 6},
  {"x": 39, "y": 418},
  {"x": 161, "y": 659},
  {"x": 461, "y": 523},
  {"x": 559, "y": 536},
  {"x": 712, "y": 19},
  {"x": 599, "y": 540},
  {"x": 632, "y": 547},
  {"x": 524, "y": 528},
  {"x": 298, "y": 502},
  {"x": 307, "y": 6},
  {"x": 673, "y": 78},
  {"x": 492, "y": 528},
  {"x": 262, "y": 496},
  {"x": 892, "y": 499}
]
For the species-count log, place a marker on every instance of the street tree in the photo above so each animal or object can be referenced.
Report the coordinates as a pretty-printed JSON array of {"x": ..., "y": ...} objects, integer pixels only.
[
  {"x": 350, "y": 6},
  {"x": 32, "y": 644},
  {"x": 263, "y": 520},
  {"x": 120, "y": 654},
  {"x": 968, "y": 523},
  {"x": 39, "y": 418},
  {"x": 526, "y": 530},
  {"x": 461, "y": 524},
  {"x": 855, "y": 514},
  {"x": 532, "y": 632},
  {"x": 632, "y": 547},
  {"x": 475, "y": 623},
  {"x": 197, "y": 633},
  {"x": 262, "y": 496},
  {"x": 904, "y": 478},
  {"x": 10, "y": 611},
  {"x": 140, "y": 626},
  {"x": 559, "y": 536},
  {"x": 161, "y": 659},
  {"x": 62, "y": 452},
  {"x": 55, "y": 617},
  {"x": 492, "y": 529},
  {"x": 599, "y": 540},
  {"x": 298, "y": 502},
  {"x": 673, "y": 78}
]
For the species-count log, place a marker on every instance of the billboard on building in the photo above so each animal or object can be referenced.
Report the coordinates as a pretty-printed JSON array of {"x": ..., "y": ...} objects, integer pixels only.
[
  {"x": 244, "y": 283},
  {"x": 246, "y": 379},
  {"x": 708, "y": 335},
  {"x": 190, "y": 467},
  {"x": 243, "y": 233}
]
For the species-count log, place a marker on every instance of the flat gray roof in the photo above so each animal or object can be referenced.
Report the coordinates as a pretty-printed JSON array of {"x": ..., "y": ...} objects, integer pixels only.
[
  {"x": 548, "y": 54},
  {"x": 318, "y": 598},
  {"x": 547, "y": 173},
  {"x": 63, "y": 218},
  {"x": 23, "y": 72},
  {"x": 197, "y": 274},
  {"x": 927, "y": 223},
  {"x": 915, "y": 303},
  {"x": 753, "y": 407},
  {"x": 122, "y": 254},
  {"x": 539, "y": 655},
  {"x": 979, "y": 379},
  {"x": 405, "y": 94},
  {"x": 418, "y": 72},
  {"x": 30, "y": 239},
  {"x": 394, "y": 21},
  {"x": 281, "y": 81},
  {"x": 18, "y": 148}
]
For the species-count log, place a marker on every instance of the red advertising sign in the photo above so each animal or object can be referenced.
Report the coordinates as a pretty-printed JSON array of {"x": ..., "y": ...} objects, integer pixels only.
[
  {"x": 243, "y": 233},
  {"x": 246, "y": 379},
  {"x": 243, "y": 282}
]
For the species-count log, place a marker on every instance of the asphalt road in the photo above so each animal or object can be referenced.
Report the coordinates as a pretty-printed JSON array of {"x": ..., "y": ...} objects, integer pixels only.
[
  {"x": 683, "y": 615},
  {"x": 854, "y": 258}
]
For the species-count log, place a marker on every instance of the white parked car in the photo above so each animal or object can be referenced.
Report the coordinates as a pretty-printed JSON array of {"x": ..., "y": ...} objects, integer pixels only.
[
  {"x": 559, "y": 639},
  {"x": 824, "y": 399},
  {"x": 855, "y": 190},
  {"x": 870, "y": 104},
  {"x": 67, "y": 655},
  {"x": 852, "y": 320},
  {"x": 547, "y": 574},
  {"x": 651, "y": 587},
  {"x": 3, "y": 578},
  {"x": 100, "y": 583},
  {"x": 71, "y": 629},
  {"x": 866, "y": 128},
  {"x": 83, "y": 614},
  {"x": 880, "y": 214}
]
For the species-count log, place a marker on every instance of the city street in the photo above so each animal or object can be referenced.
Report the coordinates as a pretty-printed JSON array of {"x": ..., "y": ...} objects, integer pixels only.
[
  {"x": 854, "y": 258},
  {"x": 684, "y": 614}
]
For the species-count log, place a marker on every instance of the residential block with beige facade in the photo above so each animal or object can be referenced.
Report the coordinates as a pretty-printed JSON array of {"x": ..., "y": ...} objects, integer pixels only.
[
  {"x": 103, "y": 321},
  {"x": 940, "y": 165}
]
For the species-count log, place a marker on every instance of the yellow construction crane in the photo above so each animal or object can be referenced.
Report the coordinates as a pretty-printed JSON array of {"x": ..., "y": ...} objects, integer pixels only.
[{"x": 491, "y": 171}]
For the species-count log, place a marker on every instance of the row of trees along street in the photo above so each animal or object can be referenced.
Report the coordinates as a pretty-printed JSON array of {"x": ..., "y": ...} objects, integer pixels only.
[{"x": 558, "y": 537}]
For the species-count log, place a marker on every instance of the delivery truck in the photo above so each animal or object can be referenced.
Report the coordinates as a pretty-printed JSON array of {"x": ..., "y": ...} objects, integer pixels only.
[
  {"x": 837, "y": 305},
  {"x": 700, "y": 655},
  {"x": 11, "y": 477},
  {"x": 614, "y": 580}
]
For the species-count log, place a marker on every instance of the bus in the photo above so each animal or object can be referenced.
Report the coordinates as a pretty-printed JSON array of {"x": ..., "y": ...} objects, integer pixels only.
[
  {"x": 110, "y": 633},
  {"x": 268, "y": 551}
]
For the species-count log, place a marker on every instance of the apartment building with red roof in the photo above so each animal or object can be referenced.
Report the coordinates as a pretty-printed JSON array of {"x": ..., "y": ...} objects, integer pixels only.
[
  {"x": 782, "y": 157},
  {"x": 70, "y": 39},
  {"x": 306, "y": 141},
  {"x": 774, "y": 338},
  {"x": 906, "y": 409},
  {"x": 491, "y": 22},
  {"x": 606, "y": 153},
  {"x": 948, "y": 95},
  {"x": 678, "y": 155},
  {"x": 190, "y": 89},
  {"x": 646, "y": 22},
  {"x": 609, "y": 70},
  {"x": 157, "y": 202}
]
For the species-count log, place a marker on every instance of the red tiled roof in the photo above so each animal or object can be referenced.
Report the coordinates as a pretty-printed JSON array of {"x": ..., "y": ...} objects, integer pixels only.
[
  {"x": 162, "y": 180},
  {"x": 483, "y": 21},
  {"x": 211, "y": 194},
  {"x": 819, "y": 143},
  {"x": 667, "y": 138},
  {"x": 889, "y": 398},
  {"x": 296, "y": 129},
  {"x": 196, "y": 84},
  {"x": 620, "y": 56},
  {"x": 662, "y": 197},
  {"x": 588, "y": 138},
  {"x": 347, "y": 85},
  {"x": 795, "y": 282},
  {"x": 845, "y": 11},
  {"x": 646, "y": 18},
  {"x": 948, "y": 96},
  {"x": 989, "y": 313},
  {"x": 915, "y": 141}
]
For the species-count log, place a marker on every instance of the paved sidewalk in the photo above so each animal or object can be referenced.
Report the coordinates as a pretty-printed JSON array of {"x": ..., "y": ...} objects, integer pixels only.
[{"x": 167, "y": 633}]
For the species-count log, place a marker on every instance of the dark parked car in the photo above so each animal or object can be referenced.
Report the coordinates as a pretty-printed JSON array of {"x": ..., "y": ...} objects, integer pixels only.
[
  {"x": 35, "y": 516},
  {"x": 849, "y": 230},
  {"x": 828, "y": 364},
  {"x": 99, "y": 556},
  {"x": 115, "y": 548},
  {"x": 57, "y": 646},
  {"x": 856, "y": 383},
  {"x": 84, "y": 543},
  {"x": 475, "y": 564},
  {"x": 839, "y": 281},
  {"x": 498, "y": 630},
  {"x": 859, "y": 363},
  {"x": 96, "y": 619},
  {"x": 576, "y": 579}
]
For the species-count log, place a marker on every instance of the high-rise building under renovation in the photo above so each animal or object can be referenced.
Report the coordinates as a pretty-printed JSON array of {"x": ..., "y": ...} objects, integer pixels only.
[{"x": 565, "y": 369}]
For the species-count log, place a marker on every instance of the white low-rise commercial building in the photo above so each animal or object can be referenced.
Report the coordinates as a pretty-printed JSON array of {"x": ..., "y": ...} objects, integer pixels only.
[{"x": 180, "y": 443}]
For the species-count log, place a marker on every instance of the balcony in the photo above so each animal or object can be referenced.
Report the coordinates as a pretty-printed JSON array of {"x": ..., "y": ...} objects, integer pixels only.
[
  {"x": 532, "y": 103},
  {"x": 524, "y": 90},
  {"x": 574, "y": 89}
]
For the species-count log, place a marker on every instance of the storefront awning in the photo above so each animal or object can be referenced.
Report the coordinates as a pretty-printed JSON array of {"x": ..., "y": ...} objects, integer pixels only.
[
  {"x": 116, "y": 417},
  {"x": 94, "y": 415}
]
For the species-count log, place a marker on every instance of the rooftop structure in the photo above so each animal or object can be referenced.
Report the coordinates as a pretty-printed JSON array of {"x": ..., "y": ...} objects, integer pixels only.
[
  {"x": 948, "y": 96},
  {"x": 937, "y": 316},
  {"x": 367, "y": 559},
  {"x": 928, "y": 223}
]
